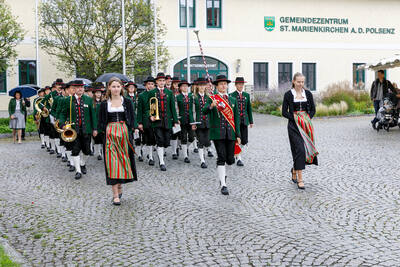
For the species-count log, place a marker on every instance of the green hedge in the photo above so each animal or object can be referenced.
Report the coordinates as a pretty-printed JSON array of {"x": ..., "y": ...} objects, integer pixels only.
[{"x": 5, "y": 122}]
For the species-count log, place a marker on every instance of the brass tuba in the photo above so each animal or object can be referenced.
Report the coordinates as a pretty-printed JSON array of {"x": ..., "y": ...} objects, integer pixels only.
[
  {"x": 68, "y": 134},
  {"x": 43, "y": 112},
  {"x": 154, "y": 108},
  {"x": 57, "y": 127}
]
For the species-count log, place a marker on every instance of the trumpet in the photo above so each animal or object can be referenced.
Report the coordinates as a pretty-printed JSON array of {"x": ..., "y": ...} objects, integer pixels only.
[
  {"x": 154, "y": 108},
  {"x": 68, "y": 134}
]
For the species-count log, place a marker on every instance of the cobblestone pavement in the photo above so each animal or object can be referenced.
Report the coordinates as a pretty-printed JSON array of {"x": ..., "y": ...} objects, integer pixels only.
[{"x": 347, "y": 216}]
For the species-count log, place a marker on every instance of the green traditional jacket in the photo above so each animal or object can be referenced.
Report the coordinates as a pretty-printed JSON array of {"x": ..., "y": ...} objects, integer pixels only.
[
  {"x": 244, "y": 107},
  {"x": 217, "y": 128},
  {"x": 12, "y": 105},
  {"x": 200, "y": 116},
  {"x": 168, "y": 117},
  {"x": 185, "y": 109},
  {"x": 96, "y": 109},
  {"x": 143, "y": 109},
  {"x": 89, "y": 124}
]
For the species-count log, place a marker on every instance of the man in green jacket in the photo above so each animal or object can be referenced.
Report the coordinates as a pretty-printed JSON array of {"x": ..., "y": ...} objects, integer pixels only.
[
  {"x": 245, "y": 112},
  {"x": 144, "y": 121},
  {"x": 185, "y": 107},
  {"x": 224, "y": 131},
  {"x": 167, "y": 116},
  {"x": 78, "y": 110}
]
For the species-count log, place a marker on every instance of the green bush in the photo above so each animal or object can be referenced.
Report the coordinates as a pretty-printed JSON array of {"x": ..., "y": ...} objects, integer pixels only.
[
  {"x": 5, "y": 122},
  {"x": 340, "y": 96}
]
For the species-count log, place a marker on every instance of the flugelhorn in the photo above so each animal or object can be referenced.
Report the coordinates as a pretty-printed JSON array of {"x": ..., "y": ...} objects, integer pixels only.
[
  {"x": 57, "y": 126},
  {"x": 154, "y": 108}
]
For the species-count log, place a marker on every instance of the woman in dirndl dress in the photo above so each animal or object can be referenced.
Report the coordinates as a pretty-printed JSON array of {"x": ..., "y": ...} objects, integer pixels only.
[
  {"x": 116, "y": 119},
  {"x": 17, "y": 110},
  {"x": 299, "y": 108}
]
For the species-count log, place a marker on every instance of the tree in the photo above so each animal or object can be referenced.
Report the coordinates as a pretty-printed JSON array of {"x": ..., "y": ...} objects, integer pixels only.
[
  {"x": 11, "y": 34},
  {"x": 86, "y": 35}
]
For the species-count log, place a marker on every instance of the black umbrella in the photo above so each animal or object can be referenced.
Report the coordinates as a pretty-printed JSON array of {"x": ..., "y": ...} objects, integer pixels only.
[
  {"x": 84, "y": 80},
  {"x": 107, "y": 76}
]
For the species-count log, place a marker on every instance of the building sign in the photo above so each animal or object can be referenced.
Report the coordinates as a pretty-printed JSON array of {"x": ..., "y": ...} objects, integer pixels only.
[
  {"x": 324, "y": 25},
  {"x": 269, "y": 23}
]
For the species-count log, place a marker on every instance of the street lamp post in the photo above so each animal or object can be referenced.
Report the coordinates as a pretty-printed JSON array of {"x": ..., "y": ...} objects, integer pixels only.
[
  {"x": 123, "y": 39},
  {"x": 187, "y": 41}
]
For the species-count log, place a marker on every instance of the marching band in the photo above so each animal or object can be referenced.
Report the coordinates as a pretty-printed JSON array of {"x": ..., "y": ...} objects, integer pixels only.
[{"x": 115, "y": 122}]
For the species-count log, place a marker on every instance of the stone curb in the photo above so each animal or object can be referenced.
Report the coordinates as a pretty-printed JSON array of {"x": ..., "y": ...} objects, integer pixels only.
[
  {"x": 9, "y": 135},
  {"x": 14, "y": 255}
]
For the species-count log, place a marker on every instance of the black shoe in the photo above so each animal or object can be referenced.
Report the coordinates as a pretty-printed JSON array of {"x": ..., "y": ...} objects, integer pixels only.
[
  {"x": 83, "y": 169},
  {"x": 163, "y": 168},
  {"x": 68, "y": 163},
  {"x": 203, "y": 165},
  {"x": 42, "y": 146},
  {"x": 59, "y": 155},
  {"x": 52, "y": 152},
  {"x": 71, "y": 168},
  {"x": 210, "y": 154},
  {"x": 116, "y": 203},
  {"x": 64, "y": 159},
  {"x": 99, "y": 157},
  {"x": 196, "y": 150},
  {"x": 78, "y": 176},
  {"x": 293, "y": 180},
  {"x": 301, "y": 187},
  {"x": 239, "y": 163},
  {"x": 186, "y": 160},
  {"x": 140, "y": 158},
  {"x": 174, "y": 156},
  {"x": 373, "y": 125},
  {"x": 151, "y": 162},
  {"x": 224, "y": 191}
]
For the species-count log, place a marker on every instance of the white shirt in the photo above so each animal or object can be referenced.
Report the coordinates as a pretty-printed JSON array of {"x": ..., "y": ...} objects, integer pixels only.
[
  {"x": 303, "y": 94},
  {"x": 115, "y": 109},
  {"x": 18, "y": 106}
]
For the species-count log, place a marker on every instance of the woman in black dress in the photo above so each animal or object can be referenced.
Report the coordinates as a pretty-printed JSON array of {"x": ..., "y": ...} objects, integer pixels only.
[
  {"x": 116, "y": 120},
  {"x": 298, "y": 107}
]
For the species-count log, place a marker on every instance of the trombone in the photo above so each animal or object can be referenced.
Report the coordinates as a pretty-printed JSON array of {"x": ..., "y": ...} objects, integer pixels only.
[{"x": 154, "y": 108}]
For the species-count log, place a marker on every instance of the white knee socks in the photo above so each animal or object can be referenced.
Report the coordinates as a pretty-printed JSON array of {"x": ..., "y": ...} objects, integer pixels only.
[
  {"x": 47, "y": 140},
  {"x": 160, "y": 152},
  {"x": 221, "y": 174},
  {"x": 98, "y": 148},
  {"x": 53, "y": 144},
  {"x": 184, "y": 150},
  {"x": 150, "y": 150},
  {"x": 62, "y": 151},
  {"x": 77, "y": 163},
  {"x": 42, "y": 138},
  {"x": 201, "y": 154},
  {"x": 174, "y": 145}
]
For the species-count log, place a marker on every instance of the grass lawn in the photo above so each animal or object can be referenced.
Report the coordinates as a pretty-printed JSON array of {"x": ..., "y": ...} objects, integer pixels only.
[{"x": 5, "y": 260}]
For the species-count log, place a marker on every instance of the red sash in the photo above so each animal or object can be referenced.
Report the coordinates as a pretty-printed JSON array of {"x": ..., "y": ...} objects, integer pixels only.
[{"x": 226, "y": 110}]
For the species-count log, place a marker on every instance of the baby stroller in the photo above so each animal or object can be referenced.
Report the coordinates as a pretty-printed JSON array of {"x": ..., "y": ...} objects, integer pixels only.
[{"x": 387, "y": 116}]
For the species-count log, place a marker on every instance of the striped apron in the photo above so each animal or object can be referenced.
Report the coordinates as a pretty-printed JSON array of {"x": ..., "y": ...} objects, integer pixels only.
[
  {"x": 117, "y": 151},
  {"x": 306, "y": 129}
]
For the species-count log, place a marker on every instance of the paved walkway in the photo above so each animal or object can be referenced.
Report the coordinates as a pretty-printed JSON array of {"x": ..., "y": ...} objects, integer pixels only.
[{"x": 347, "y": 216}]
